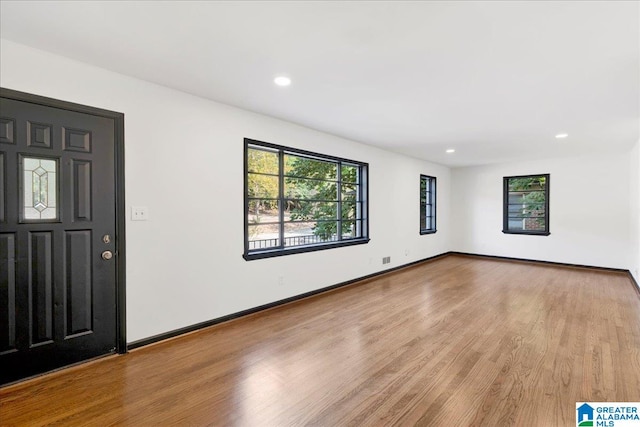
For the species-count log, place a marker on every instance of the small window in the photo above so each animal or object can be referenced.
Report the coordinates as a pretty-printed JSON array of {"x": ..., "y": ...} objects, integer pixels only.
[
  {"x": 526, "y": 205},
  {"x": 298, "y": 201},
  {"x": 39, "y": 189},
  {"x": 427, "y": 204}
]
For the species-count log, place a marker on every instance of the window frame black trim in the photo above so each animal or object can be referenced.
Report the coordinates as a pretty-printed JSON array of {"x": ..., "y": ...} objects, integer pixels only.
[
  {"x": 505, "y": 205},
  {"x": 434, "y": 191},
  {"x": 270, "y": 253}
]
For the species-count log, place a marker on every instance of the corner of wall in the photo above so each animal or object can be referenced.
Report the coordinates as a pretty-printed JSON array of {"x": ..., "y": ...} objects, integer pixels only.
[{"x": 634, "y": 201}]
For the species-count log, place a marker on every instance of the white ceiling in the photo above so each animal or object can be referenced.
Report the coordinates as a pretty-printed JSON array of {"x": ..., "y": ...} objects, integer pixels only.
[{"x": 494, "y": 80}]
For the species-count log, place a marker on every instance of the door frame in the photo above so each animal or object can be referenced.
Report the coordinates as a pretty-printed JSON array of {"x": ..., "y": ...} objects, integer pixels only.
[{"x": 120, "y": 259}]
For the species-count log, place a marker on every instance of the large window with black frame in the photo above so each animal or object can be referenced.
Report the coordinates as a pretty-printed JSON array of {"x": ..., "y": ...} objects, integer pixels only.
[
  {"x": 427, "y": 204},
  {"x": 526, "y": 205},
  {"x": 299, "y": 201}
]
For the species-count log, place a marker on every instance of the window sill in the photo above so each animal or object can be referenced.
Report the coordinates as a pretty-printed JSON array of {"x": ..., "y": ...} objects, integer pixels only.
[
  {"x": 423, "y": 232},
  {"x": 302, "y": 249},
  {"x": 527, "y": 233}
]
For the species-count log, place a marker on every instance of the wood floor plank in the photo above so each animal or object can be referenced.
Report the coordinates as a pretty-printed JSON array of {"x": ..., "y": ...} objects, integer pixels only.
[{"x": 455, "y": 341}]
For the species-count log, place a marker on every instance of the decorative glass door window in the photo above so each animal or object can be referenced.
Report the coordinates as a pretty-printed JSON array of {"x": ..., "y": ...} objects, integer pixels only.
[{"x": 40, "y": 186}]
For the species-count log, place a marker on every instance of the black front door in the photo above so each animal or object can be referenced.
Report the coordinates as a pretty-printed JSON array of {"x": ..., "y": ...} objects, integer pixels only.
[{"x": 58, "y": 224}]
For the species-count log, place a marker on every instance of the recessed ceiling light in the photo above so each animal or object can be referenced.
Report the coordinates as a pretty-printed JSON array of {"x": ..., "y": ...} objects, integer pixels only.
[
  {"x": 451, "y": 150},
  {"x": 282, "y": 81},
  {"x": 562, "y": 135}
]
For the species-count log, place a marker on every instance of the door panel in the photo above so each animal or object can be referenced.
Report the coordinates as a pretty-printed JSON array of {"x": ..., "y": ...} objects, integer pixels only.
[
  {"x": 7, "y": 293},
  {"x": 81, "y": 192},
  {"x": 40, "y": 286},
  {"x": 58, "y": 297},
  {"x": 79, "y": 316},
  {"x": 2, "y": 193}
]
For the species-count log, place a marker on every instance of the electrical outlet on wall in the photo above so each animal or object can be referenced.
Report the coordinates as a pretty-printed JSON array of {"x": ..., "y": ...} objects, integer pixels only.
[{"x": 386, "y": 260}]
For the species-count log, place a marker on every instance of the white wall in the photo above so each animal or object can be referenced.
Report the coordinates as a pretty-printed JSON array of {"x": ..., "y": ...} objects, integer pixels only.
[
  {"x": 589, "y": 211},
  {"x": 184, "y": 265},
  {"x": 184, "y": 158},
  {"x": 634, "y": 201}
]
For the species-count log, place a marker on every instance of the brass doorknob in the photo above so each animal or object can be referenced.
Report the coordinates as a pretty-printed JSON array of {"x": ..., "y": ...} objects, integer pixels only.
[{"x": 107, "y": 255}]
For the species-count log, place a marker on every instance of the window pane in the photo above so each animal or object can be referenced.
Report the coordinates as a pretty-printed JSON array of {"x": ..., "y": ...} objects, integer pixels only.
[
  {"x": 534, "y": 224},
  {"x": 40, "y": 188},
  {"x": 516, "y": 224},
  {"x": 351, "y": 229},
  {"x": 264, "y": 226},
  {"x": 349, "y": 174},
  {"x": 515, "y": 210},
  {"x": 350, "y": 192},
  {"x": 306, "y": 211},
  {"x": 527, "y": 183},
  {"x": 306, "y": 233},
  {"x": 263, "y": 211},
  {"x": 516, "y": 198},
  {"x": 262, "y": 161},
  {"x": 309, "y": 168},
  {"x": 297, "y": 188},
  {"x": 264, "y": 236},
  {"x": 533, "y": 211},
  {"x": 263, "y": 186},
  {"x": 535, "y": 197},
  {"x": 351, "y": 210}
]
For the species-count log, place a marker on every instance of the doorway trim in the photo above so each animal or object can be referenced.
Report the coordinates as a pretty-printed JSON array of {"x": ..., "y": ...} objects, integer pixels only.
[{"x": 118, "y": 118}]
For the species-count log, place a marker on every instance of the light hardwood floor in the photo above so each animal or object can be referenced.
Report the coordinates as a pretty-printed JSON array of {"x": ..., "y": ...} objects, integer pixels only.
[{"x": 453, "y": 342}]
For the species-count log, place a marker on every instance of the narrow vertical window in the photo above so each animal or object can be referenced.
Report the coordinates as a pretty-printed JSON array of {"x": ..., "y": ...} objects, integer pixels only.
[
  {"x": 427, "y": 204},
  {"x": 526, "y": 205},
  {"x": 40, "y": 185}
]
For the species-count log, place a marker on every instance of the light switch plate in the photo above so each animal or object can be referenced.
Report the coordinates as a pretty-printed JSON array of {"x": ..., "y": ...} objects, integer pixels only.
[{"x": 139, "y": 213}]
